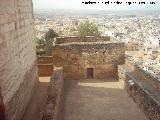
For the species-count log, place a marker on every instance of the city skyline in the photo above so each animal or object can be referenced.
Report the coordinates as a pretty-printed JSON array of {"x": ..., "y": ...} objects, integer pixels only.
[{"x": 77, "y": 4}]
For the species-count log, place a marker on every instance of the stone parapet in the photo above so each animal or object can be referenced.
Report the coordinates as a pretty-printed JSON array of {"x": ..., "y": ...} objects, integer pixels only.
[
  {"x": 55, "y": 96},
  {"x": 60, "y": 40},
  {"x": 144, "y": 95}
]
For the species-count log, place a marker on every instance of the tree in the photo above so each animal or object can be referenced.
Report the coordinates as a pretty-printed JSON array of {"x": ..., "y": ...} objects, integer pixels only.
[
  {"x": 50, "y": 34},
  {"x": 40, "y": 43},
  {"x": 49, "y": 39},
  {"x": 88, "y": 28}
]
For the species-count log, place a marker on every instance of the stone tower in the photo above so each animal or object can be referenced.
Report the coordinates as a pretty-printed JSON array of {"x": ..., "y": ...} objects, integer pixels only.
[{"x": 18, "y": 69}]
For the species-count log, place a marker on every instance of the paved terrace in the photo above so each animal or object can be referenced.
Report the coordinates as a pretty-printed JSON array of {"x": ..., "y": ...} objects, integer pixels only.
[
  {"x": 98, "y": 100},
  {"x": 88, "y": 100}
]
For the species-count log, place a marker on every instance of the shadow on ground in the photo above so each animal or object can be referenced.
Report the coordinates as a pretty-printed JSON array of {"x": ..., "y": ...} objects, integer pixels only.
[{"x": 36, "y": 106}]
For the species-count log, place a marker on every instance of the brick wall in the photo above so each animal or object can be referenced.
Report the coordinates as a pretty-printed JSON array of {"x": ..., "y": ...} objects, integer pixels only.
[{"x": 18, "y": 69}]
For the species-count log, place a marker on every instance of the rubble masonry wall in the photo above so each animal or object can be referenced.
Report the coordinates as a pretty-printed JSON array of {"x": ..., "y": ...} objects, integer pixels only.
[{"x": 76, "y": 58}]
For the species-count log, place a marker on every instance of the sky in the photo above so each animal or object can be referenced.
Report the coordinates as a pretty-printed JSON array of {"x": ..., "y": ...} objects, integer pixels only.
[{"x": 77, "y": 4}]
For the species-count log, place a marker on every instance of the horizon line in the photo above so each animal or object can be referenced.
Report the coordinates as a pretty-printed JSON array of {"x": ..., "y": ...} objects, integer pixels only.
[{"x": 97, "y": 9}]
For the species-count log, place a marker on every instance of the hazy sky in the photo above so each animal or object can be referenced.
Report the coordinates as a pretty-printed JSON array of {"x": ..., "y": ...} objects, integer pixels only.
[{"x": 77, "y": 4}]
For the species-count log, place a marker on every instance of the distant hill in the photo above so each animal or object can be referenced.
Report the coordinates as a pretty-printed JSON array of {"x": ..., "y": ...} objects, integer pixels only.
[{"x": 50, "y": 13}]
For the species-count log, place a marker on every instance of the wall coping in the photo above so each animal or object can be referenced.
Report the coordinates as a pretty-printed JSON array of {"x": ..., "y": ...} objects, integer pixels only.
[{"x": 147, "y": 89}]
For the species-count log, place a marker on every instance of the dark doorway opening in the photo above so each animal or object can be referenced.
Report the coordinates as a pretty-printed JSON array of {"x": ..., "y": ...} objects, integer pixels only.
[{"x": 89, "y": 73}]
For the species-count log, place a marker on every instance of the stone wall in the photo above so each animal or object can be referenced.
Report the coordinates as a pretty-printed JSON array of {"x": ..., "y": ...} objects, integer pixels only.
[
  {"x": 75, "y": 58},
  {"x": 54, "y": 101},
  {"x": 61, "y": 40},
  {"x": 18, "y": 66},
  {"x": 45, "y": 59},
  {"x": 45, "y": 66},
  {"x": 142, "y": 87},
  {"x": 45, "y": 70},
  {"x": 129, "y": 65},
  {"x": 121, "y": 74},
  {"x": 144, "y": 95},
  {"x": 142, "y": 74},
  {"x": 132, "y": 47},
  {"x": 122, "y": 69}
]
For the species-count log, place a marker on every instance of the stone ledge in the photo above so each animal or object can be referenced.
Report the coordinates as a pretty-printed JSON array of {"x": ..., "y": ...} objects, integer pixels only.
[
  {"x": 144, "y": 95},
  {"x": 68, "y": 39},
  {"x": 55, "y": 96}
]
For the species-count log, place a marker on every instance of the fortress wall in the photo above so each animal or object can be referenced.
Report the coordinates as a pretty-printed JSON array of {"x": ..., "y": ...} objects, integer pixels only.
[
  {"x": 54, "y": 109},
  {"x": 45, "y": 70},
  {"x": 76, "y": 58},
  {"x": 45, "y": 66},
  {"x": 142, "y": 88},
  {"x": 105, "y": 71},
  {"x": 139, "y": 73},
  {"x": 61, "y": 40},
  {"x": 121, "y": 74},
  {"x": 129, "y": 65},
  {"x": 143, "y": 75},
  {"x": 122, "y": 69},
  {"x": 144, "y": 95},
  {"x": 18, "y": 67},
  {"x": 45, "y": 59}
]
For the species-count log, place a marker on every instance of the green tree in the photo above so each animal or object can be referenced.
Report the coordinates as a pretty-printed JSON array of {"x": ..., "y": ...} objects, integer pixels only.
[
  {"x": 50, "y": 34},
  {"x": 88, "y": 28},
  {"x": 40, "y": 43},
  {"x": 49, "y": 39}
]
